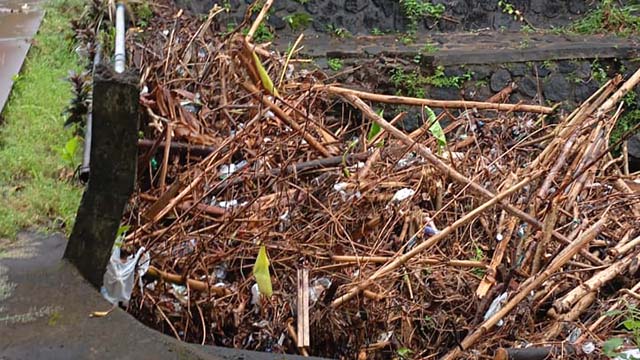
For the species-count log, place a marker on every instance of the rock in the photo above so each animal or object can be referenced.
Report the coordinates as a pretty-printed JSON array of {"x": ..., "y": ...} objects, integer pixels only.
[
  {"x": 584, "y": 90},
  {"x": 500, "y": 79},
  {"x": 578, "y": 7},
  {"x": 480, "y": 72},
  {"x": 276, "y": 22},
  {"x": 518, "y": 69},
  {"x": 443, "y": 93},
  {"x": 556, "y": 88},
  {"x": 583, "y": 71},
  {"x": 567, "y": 66},
  {"x": 279, "y": 5},
  {"x": 474, "y": 92},
  {"x": 355, "y": 6},
  {"x": 528, "y": 87},
  {"x": 553, "y": 9},
  {"x": 453, "y": 71},
  {"x": 541, "y": 70}
]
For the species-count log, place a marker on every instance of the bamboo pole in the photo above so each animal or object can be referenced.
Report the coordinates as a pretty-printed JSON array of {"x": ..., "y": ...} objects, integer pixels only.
[
  {"x": 430, "y": 242},
  {"x": 459, "y": 104},
  {"x": 284, "y": 117},
  {"x": 452, "y": 173}
]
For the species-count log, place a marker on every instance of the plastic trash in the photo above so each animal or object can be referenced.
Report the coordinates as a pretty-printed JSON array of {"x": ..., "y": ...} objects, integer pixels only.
[
  {"x": 628, "y": 354},
  {"x": 588, "y": 347},
  {"x": 317, "y": 288},
  {"x": 226, "y": 170},
  {"x": 118, "y": 279},
  {"x": 402, "y": 194},
  {"x": 345, "y": 193},
  {"x": 495, "y": 306}
]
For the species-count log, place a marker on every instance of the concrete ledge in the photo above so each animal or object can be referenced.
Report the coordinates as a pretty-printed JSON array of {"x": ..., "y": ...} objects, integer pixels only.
[{"x": 46, "y": 314}]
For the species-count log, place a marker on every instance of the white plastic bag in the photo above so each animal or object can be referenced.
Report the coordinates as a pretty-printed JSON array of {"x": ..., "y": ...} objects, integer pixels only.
[{"x": 117, "y": 282}]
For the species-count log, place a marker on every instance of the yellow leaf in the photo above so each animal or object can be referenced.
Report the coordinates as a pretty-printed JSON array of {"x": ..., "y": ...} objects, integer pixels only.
[
  {"x": 264, "y": 76},
  {"x": 261, "y": 272}
]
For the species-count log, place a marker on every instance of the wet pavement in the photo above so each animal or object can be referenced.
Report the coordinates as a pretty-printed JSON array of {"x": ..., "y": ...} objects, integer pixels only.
[{"x": 19, "y": 21}]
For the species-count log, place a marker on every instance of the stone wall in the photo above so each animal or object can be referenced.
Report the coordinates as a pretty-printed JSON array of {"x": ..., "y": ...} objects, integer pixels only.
[{"x": 363, "y": 16}]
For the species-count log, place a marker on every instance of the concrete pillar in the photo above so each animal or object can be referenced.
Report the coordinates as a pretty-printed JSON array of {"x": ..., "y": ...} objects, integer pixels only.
[{"x": 113, "y": 171}]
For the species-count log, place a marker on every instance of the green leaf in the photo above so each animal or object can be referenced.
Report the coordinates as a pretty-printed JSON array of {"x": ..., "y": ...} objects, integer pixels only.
[
  {"x": 264, "y": 76},
  {"x": 435, "y": 129},
  {"x": 609, "y": 347},
  {"x": 404, "y": 352},
  {"x": 373, "y": 131},
  {"x": 69, "y": 151},
  {"x": 631, "y": 324},
  {"x": 261, "y": 272}
]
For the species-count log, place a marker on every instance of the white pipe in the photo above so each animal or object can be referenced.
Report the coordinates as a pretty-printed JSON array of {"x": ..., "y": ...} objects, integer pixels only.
[{"x": 119, "y": 57}]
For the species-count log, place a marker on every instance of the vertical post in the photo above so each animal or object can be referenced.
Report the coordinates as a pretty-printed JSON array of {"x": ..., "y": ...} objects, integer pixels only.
[
  {"x": 113, "y": 171},
  {"x": 120, "y": 56}
]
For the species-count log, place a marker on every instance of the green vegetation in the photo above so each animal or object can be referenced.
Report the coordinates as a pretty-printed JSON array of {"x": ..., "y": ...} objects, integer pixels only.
[
  {"x": 335, "y": 64},
  {"x": 508, "y": 8},
  {"x": 376, "y": 31},
  {"x": 609, "y": 17},
  {"x": 413, "y": 83},
  {"x": 298, "y": 20},
  {"x": 143, "y": 13},
  {"x": 33, "y": 185},
  {"x": 338, "y": 32},
  {"x": 631, "y": 323},
  {"x": 262, "y": 35},
  {"x": 598, "y": 73},
  {"x": 415, "y": 10},
  {"x": 429, "y": 48}
]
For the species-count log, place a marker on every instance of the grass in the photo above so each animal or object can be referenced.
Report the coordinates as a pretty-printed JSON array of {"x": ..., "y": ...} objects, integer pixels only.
[
  {"x": 609, "y": 17},
  {"x": 33, "y": 186}
]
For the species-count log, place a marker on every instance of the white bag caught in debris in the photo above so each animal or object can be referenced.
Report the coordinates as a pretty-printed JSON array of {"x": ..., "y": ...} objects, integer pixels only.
[{"x": 117, "y": 282}]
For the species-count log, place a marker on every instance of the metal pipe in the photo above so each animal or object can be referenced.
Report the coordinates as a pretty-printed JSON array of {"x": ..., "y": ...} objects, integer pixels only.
[
  {"x": 84, "y": 171},
  {"x": 119, "y": 57}
]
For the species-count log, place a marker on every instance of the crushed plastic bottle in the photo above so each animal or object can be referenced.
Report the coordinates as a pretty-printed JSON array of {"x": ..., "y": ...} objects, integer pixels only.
[
  {"x": 495, "y": 306},
  {"x": 226, "y": 170},
  {"x": 402, "y": 194},
  {"x": 317, "y": 288}
]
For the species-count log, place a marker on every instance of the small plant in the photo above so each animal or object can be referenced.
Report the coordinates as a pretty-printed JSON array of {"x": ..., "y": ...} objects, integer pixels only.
[
  {"x": 335, "y": 64},
  {"x": 439, "y": 79},
  {"x": 479, "y": 256},
  {"x": 509, "y": 9},
  {"x": 262, "y": 35},
  {"x": 407, "y": 38},
  {"x": 376, "y": 31},
  {"x": 609, "y": 17},
  {"x": 70, "y": 151},
  {"x": 410, "y": 84},
  {"x": 404, "y": 353},
  {"x": 143, "y": 13},
  {"x": 298, "y": 20},
  {"x": 301, "y": 1},
  {"x": 527, "y": 29},
  {"x": 414, "y": 10},
  {"x": 524, "y": 44},
  {"x": 631, "y": 323},
  {"x": 598, "y": 73},
  {"x": 429, "y": 48},
  {"x": 338, "y": 32},
  {"x": 226, "y": 5}
]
